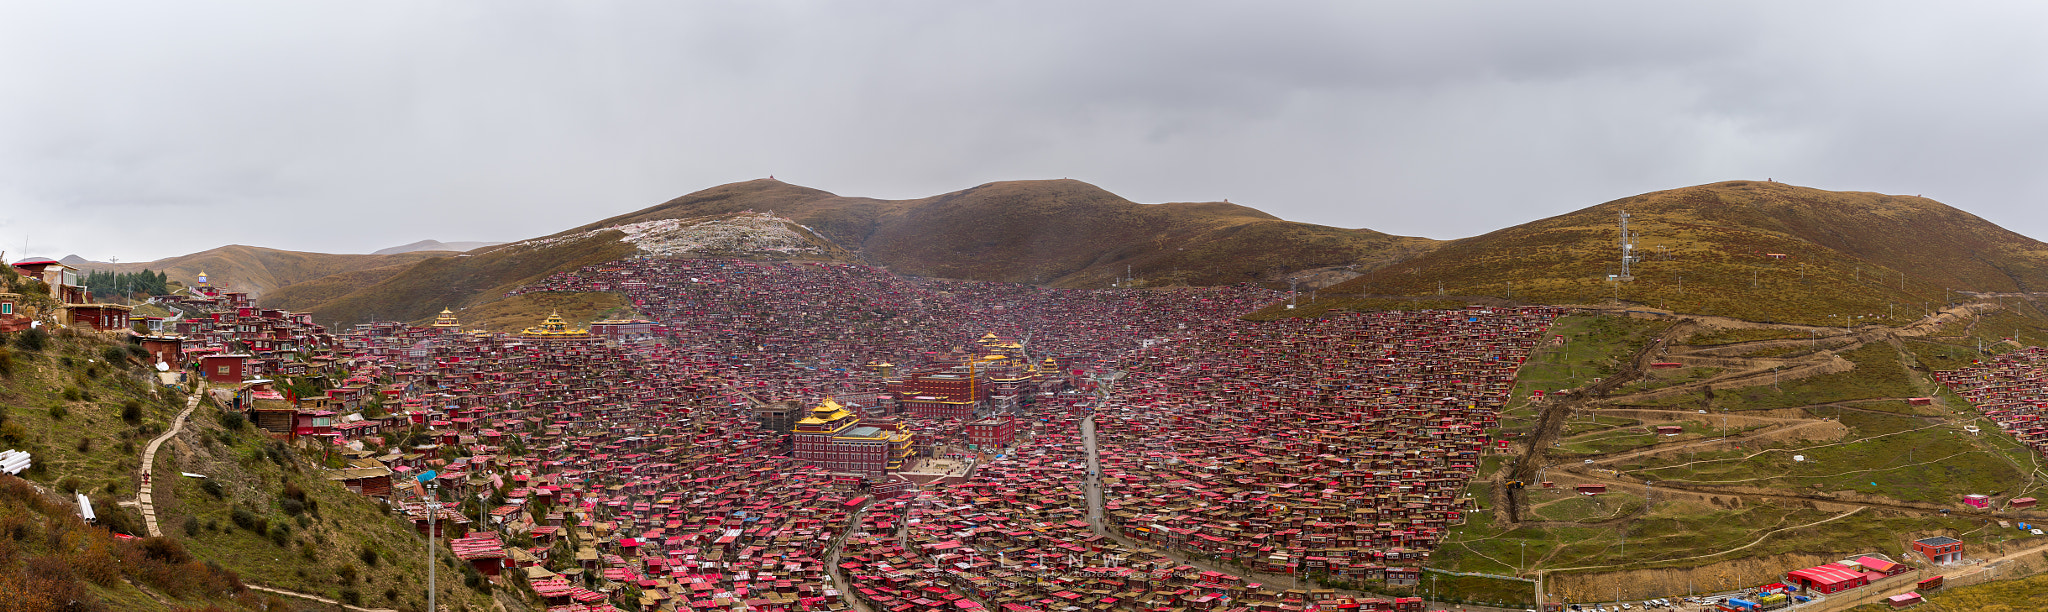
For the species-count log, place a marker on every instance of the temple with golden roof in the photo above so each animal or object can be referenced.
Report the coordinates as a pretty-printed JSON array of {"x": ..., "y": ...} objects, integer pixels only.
[
  {"x": 833, "y": 438},
  {"x": 554, "y": 328},
  {"x": 446, "y": 321}
]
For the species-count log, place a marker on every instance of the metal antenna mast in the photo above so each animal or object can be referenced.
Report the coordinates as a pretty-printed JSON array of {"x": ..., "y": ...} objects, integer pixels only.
[{"x": 1628, "y": 247}]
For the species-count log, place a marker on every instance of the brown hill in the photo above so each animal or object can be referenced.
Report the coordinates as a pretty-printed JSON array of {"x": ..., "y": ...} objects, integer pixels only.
[
  {"x": 1059, "y": 232},
  {"x": 259, "y": 270},
  {"x": 419, "y": 291},
  {"x": 1709, "y": 249}
]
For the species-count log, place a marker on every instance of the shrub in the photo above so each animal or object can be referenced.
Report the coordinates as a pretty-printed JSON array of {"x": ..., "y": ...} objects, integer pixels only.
[
  {"x": 245, "y": 519},
  {"x": 163, "y": 563},
  {"x": 232, "y": 420},
  {"x": 84, "y": 445},
  {"x": 58, "y": 412},
  {"x": 71, "y": 394},
  {"x": 49, "y": 583},
  {"x": 70, "y": 484},
  {"x": 352, "y": 597},
  {"x": 15, "y": 527},
  {"x": 191, "y": 526},
  {"x": 212, "y": 487},
  {"x": 291, "y": 506},
  {"x": 164, "y": 550},
  {"x": 280, "y": 534},
  {"x": 6, "y": 362},
  {"x": 368, "y": 555},
  {"x": 33, "y": 340},
  {"x": 131, "y": 411},
  {"x": 114, "y": 355},
  {"x": 347, "y": 573},
  {"x": 116, "y": 518}
]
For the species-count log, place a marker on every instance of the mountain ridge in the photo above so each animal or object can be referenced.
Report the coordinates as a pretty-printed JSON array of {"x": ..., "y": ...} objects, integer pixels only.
[
  {"x": 435, "y": 245},
  {"x": 1056, "y": 232},
  {"x": 260, "y": 270}
]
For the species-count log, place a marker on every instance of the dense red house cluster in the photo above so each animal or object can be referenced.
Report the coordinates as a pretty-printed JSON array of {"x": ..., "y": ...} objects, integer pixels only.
[
  {"x": 711, "y": 465},
  {"x": 1336, "y": 446}
]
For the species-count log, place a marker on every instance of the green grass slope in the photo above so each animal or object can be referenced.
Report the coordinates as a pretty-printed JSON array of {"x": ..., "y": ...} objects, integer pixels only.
[{"x": 265, "y": 514}]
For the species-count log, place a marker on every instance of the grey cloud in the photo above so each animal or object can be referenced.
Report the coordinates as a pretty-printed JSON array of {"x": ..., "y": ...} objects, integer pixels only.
[{"x": 377, "y": 124}]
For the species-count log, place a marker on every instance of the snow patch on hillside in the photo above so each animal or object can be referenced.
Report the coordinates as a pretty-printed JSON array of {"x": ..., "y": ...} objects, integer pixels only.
[{"x": 743, "y": 233}]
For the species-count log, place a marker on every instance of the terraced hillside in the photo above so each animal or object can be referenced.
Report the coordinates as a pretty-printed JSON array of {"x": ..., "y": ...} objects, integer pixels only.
[{"x": 1732, "y": 451}]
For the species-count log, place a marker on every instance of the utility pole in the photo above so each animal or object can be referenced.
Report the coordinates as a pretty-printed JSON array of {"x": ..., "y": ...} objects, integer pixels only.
[
  {"x": 1628, "y": 247},
  {"x": 433, "y": 529}
]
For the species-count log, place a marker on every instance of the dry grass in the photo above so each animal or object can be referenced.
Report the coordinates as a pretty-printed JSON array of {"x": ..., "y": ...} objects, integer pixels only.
[
  {"x": 260, "y": 270},
  {"x": 518, "y": 312},
  {"x": 425, "y": 288},
  {"x": 1704, "y": 250}
]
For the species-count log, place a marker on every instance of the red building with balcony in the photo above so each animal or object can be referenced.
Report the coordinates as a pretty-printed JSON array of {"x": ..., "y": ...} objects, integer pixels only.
[
  {"x": 992, "y": 432},
  {"x": 1941, "y": 550}
]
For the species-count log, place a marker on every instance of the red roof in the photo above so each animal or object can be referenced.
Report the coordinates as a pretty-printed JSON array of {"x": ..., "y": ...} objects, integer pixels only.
[
  {"x": 1825, "y": 574},
  {"x": 1876, "y": 564}
]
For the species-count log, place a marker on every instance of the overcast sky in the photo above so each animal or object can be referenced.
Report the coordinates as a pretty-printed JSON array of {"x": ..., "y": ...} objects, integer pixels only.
[{"x": 142, "y": 130}]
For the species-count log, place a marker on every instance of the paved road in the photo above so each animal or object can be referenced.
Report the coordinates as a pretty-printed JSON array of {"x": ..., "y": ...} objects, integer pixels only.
[
  {"x": 143, "y": 495},
  {"x": 832, "y": 559},
  {"x": 1094, "y": 481}
]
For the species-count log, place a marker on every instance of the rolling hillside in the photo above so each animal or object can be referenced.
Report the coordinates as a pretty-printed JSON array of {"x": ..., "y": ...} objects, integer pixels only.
[
  {"x": 1754, "y": 250},
  {"x": 1057, "y": 232},
  {"x": 1060, "y": 232},
  {"x": 260, "y": 270},
  {"x": 433, "y": 245}
]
